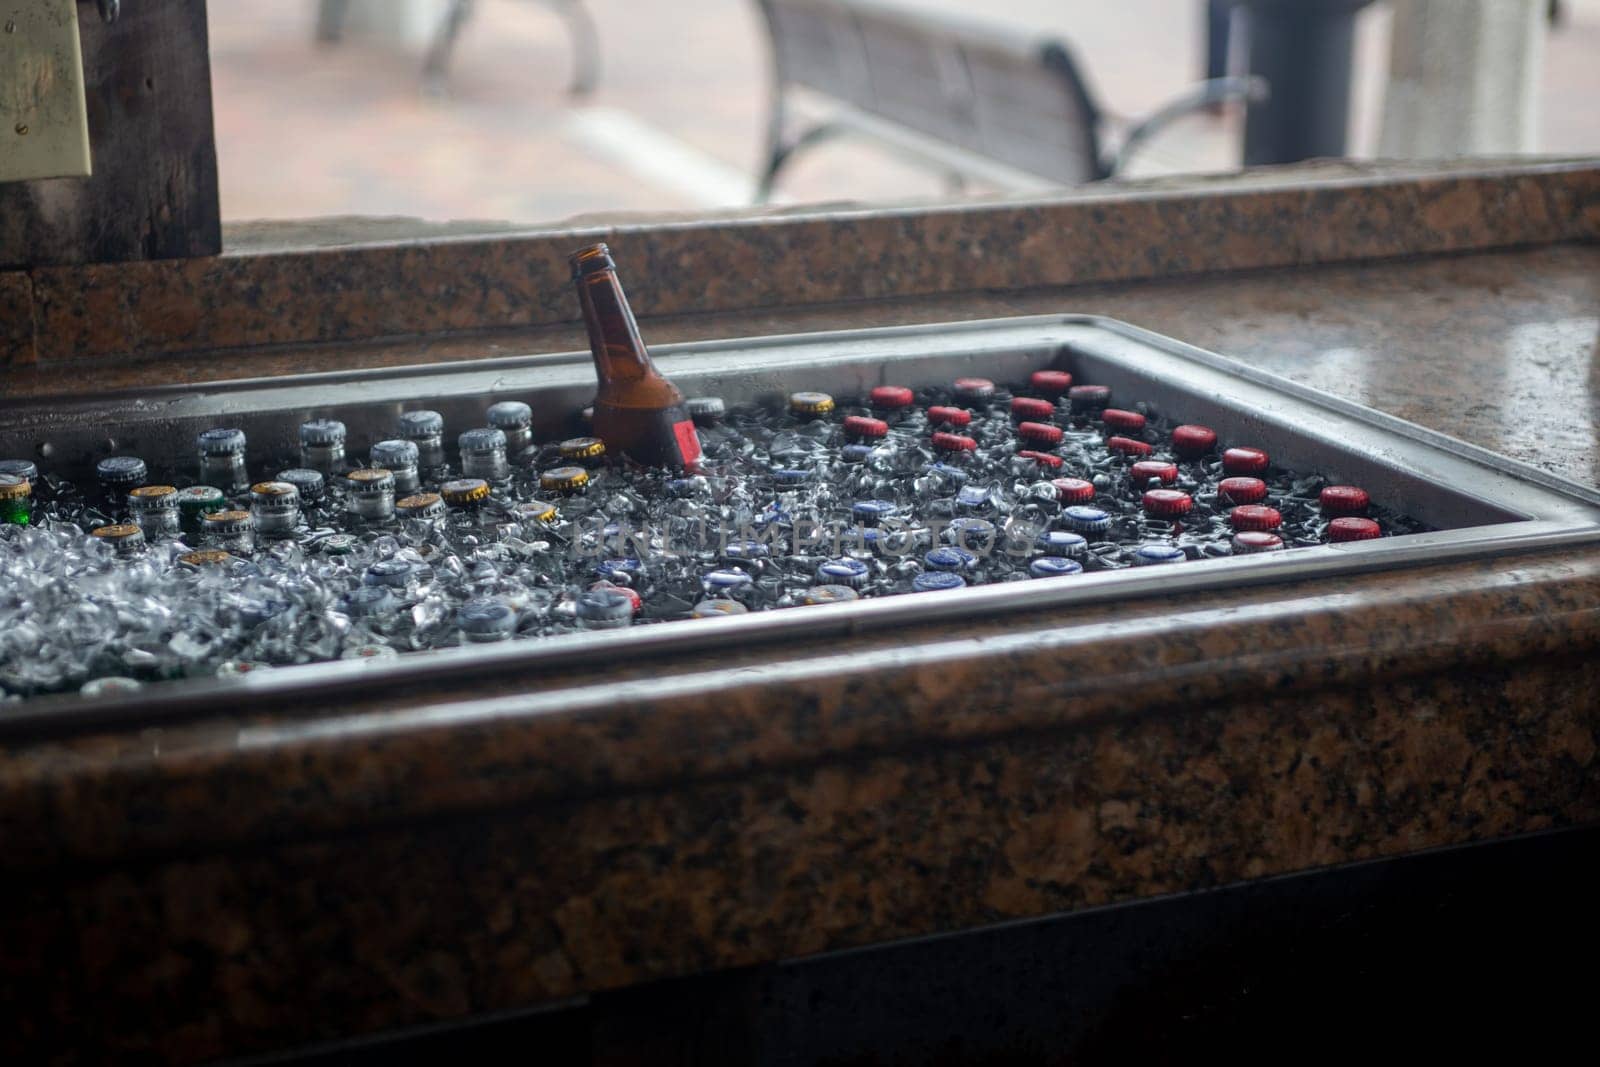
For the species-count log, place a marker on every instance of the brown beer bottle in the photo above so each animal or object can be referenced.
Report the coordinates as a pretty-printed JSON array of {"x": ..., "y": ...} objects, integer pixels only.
[{"x": 637, "y": 413}]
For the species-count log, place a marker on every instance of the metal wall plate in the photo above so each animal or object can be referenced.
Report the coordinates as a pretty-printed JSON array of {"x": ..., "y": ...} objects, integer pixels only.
[
  {"x": 1481, "y": 504},
  {"x": 44, "y": 122}
]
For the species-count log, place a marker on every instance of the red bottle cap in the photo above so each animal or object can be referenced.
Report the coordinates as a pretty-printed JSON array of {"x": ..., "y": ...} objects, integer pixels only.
[
  {"x": 953, "y": 442},
  {"x": 1044, "y": 459},
  {"x": 1351, "y": 528},
  {"x": 1127, "y": 446},
  {"x": 864, "y": 426},
  {"x": 946, "y": 416},
  {"x": 1343, "y": 500},
  {"x": 973, "y": 388},
  {"x": 1073, "y": 490},
  {"x": 1255, "y": 517},
  {"x": 1241, "y": 491},
  {"x": 1192, "y": 441},
  {"x": 1028, "y": 407},
  {"x": 1166, "y": 503},
  {"x": 1040, "y": 433},
  {"x": 1146, "y": 469},
  {"x": 1248, "y": 541},
  {"x": 891, "y": 397},
  {"x": 1050, "y": 382},
  {"x": 632, "y": 595},
  {"x": 1245, "y": 461},
  {"x": 1089, "y": 397},
  {"x": 1122, "y": 421}
]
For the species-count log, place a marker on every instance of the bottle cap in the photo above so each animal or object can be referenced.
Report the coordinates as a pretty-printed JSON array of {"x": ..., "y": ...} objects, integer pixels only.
[
  {"x": 1146, "y": 469},
  {"x": 1343, "y": 500},
  {"x": 1086, "y": 520},
  {"x": 716, "y": 607},
  {"x": 394, "y": 573},
  {"x": 1152, "y": 554},
  {"x": 371, "y": 480},
  {"x": 865, "y": 427},
  {"x": 461, "y": 492},
  {"x": 274, "y": 496},
  {"x": 418, "y": 424},
  {"x": 622, "y": 569},
  {"x": 124, "y": 536},
  {"x": 1245, "y": 461},
  {"x": 1050, "y": 382},
  {"x": 953, "y": 442},
  {"x": 973, "y": 497},
  {"x": 1089, "y": 397},
  {"x": 633, "y": 597},
  {"x": 1241, "y": 491},
  {"x": 855, "y": 453},
  {"x": 829, "y": 594},
  {"x": 722, "y": 581},
  {"x": 1062, "y": 543},
  {"x": 368, "y": 652},
  {"x": 942, "y": 415},
  {"x": 582, "y": 448},
  {"x": 22, "y": 468},
  {"x": 705, "y": 410},
  {"x": 973, "y": 388},
  {"x": 220, "y": 441},
  {"x": 366, "y": 600},
  {"x": 509, "y": 415},
  {"x": 486, "y": 440},
  {"x": 1073, "y": 490},
  {"x": 16, "y": 487},
  {"x": 791, "y": 476},
  {"x": 309, "y": 483},
  {"x": 126, "y": 471},
  {"x": 1043, "y": 459},
  {"x": 935, "y": 581},
  {"x": 810, "y": 403},
  {"x": 394, "y": 455},
  {"x": 843, "y": 571},
  {"x": 1255, "y": 517},
  {"x": 486, "y": 619},
  {"x": 948, "y": 474},
  {"x": 1031, "y": 408},
  {"x": 1166, "y": 503},
  {"x": 322, "y": 433},
  {"x": 1039, "y": 433},
  {"x": 869, "y": 512},
  {"x": 1246, "y": 542},
  {"x": 971, "y": 532},
  {"x": 563, "y": 479},
  {"x": 113, "y": 686},
  {"x": 745, "y": 551},
  {"x": 1353, "y": 528},
  {"x": 603, "y": 609},
  {"x": 337, "y": 544},
  {"x": 535, "y": 511},
  {"x": 227, "y": 523},
  {"x": 949, "y": 558},
  {"x": 1127, "y": 446},
  {"x": 200, "y": 499},
  {"x": 1191, "y": 442},
  {"x": 1053, "y": 567},
  {"x": 206, "y": 557},
  {"x": 891, "y": 397},
  {"x": 591, "y": 259},
  {"x": 1128, "y": 422},
  {"x": 420, "y": 506}
]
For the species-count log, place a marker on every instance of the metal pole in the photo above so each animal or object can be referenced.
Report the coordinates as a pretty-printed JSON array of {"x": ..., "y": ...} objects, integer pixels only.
[{"x": 1303, "y": 48}]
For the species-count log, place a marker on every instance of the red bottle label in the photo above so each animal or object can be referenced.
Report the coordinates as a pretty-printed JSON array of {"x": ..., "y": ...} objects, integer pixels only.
[{"x": 688, "y": 442}]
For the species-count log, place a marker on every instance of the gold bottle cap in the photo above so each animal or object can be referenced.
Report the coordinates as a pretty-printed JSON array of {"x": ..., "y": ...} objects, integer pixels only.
[
  {"x": 224, "y": 518},
  {"x": 810, "y": 403},
  {"x": 371, "y": 477},
  {"x": 419, "y": 503},
  {"x": 538, "y": 511},
  {"x": 464, "y": 491},
  {"x": 273, "y": 489},
  {"x": 564, "y": 479},
  {"x": 122, "y": 531},
  {"x": 14, "y": 487},
  {"x": 205, "y": 557},
  {"x": 158, "y": 495},
  {"x": 582, "y": 448}
]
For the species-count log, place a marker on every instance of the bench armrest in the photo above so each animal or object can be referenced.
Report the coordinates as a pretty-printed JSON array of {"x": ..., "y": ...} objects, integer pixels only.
[{"x": 1250, "y": 89}]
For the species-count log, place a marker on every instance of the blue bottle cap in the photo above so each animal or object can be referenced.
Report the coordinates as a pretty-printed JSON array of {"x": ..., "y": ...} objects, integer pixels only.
[
  {"x": 486, "y": 619},
  {"x": 746, "y": 550},
  {"x": 1062, "y": 543},
  {"x": 971, "y": 533},
  {"x": 856, "y": 453},
  {"x": 949, "y": 559},
  {"x": 254, "y": 610},
  {"x": 937, "y": 580},
  {"x": 322, "y": 433},
  {"x": 414, "y": 424},
  {"x": 482, "y": 441},
  {"x": 1085, "y": 519},
  {"x": 949, "y": 473},
  {"x": 604, "y": 608},
  {"x": 394, "y": 455},
  {"x": 716, "y": 607},
  {"x": 719, "y": 582},
  {"x": 122, "y": 470},
  {"x": 22, "y": 468},
  {"x": 829, "y": 594},
  {"x": 368, "y": 600},
  {"x": 683, "y": 486},
  {"x": 791, "y": 476},
  {"x": 1054, "y": 567},
  {"x": 621, "y": 570},
  {"x": 869, "y": 512},
  {"x": 843, "y": 571},
  {"x": 394, "y": 573},
  {"x": 510, "y": 415},
  {"x": 220, "y": 441},
  {"x": 1148, "y": 555},
  {"x": 310, "y": 483},
  {"x": 972, "y": 496}
]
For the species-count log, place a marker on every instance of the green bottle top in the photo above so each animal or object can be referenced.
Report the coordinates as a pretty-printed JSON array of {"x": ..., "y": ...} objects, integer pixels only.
[{"x": 16, "y": 500}]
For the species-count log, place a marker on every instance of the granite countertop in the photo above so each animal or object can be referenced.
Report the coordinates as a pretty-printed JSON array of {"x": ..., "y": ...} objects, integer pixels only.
[{"x": 237, "y": 883}]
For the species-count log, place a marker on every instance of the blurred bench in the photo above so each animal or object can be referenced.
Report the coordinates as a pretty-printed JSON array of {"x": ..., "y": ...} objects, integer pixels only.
[{"x": 973, "y": 99}]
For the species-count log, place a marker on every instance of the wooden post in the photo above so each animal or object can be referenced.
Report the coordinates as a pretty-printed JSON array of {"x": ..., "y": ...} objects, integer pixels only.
[{"x": 153, "y": 194}]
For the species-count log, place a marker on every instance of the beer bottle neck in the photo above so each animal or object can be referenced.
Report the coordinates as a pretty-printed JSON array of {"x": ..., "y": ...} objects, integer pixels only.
[{"x": 619, "y": 352}]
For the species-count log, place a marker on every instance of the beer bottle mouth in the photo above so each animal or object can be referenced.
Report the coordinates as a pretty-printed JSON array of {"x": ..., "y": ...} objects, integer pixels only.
[{"x": 589, "y": 260}]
